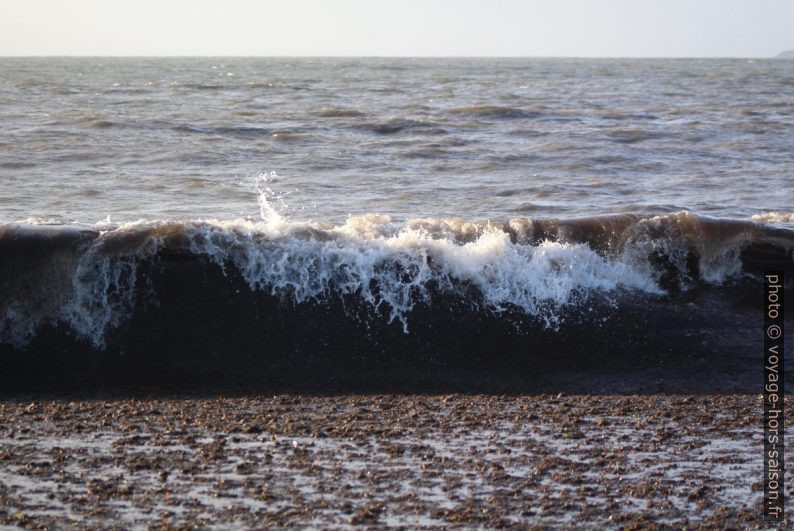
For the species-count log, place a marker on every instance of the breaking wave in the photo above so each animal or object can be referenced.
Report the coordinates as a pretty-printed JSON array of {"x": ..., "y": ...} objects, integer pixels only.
[{"x": 86, "y": 278}]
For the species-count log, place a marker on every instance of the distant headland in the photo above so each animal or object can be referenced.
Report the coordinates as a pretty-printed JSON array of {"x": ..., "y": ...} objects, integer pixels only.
[{"x": 788, "y": 54}]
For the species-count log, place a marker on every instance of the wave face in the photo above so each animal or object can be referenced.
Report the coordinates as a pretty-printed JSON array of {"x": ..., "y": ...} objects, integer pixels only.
[
  {"x": 86, "y": 279},
  {"x": 374, "y": 300}
]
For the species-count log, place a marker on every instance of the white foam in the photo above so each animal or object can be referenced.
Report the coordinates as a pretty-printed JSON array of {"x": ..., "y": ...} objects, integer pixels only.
[
  {"x": 774, "y": 217},
  {"x": 394, "y": 265},
  {"x": 103, "y": 288}
]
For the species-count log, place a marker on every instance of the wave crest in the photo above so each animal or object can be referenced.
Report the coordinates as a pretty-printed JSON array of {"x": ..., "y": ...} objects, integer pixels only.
[{"x": 87, "y": 278}]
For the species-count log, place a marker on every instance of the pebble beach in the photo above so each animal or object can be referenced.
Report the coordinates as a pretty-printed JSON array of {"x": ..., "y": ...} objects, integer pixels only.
[{"x": 382, "y": 461}]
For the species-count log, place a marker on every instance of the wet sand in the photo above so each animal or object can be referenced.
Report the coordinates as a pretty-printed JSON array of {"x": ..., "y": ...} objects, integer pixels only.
[{"x": 635, "y": 461}]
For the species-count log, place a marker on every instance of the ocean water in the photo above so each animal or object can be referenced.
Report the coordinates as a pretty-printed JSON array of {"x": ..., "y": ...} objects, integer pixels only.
[
  {"x": 84, "y": 139},
  {"x": 528, "y": 187}
]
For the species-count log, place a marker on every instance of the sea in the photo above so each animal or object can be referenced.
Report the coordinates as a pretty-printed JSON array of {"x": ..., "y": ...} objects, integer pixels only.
[
  {"x": 395, "y": 190},
  {"x": 89, "y": 139}
]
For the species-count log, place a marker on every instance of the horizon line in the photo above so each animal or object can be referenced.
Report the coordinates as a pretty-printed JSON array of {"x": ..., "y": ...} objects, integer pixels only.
[{"x": 256, "y": 56}]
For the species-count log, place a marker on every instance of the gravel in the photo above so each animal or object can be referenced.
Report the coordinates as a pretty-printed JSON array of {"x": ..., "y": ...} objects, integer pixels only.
[{"x": 636, "y": 461}]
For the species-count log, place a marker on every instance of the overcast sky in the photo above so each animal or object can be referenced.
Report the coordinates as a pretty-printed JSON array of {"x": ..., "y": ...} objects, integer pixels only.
[{"x": 581, "y": 28}]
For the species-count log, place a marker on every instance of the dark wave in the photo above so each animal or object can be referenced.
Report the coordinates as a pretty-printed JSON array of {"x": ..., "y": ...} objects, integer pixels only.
[
  {"x": 495, "y": 111},
  {"x": 340, "y": 113},
  {"x": 397, "y": 125},
  {"x": 375, "y": 302},
  {"x": 236, "y": 131}
]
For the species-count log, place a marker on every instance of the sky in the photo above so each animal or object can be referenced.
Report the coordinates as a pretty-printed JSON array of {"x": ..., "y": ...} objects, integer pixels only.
[{"x": 550, "y": 28}]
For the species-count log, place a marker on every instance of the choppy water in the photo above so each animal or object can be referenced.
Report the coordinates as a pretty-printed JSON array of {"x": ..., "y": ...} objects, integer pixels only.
[{"x": 83, "y": 139}]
